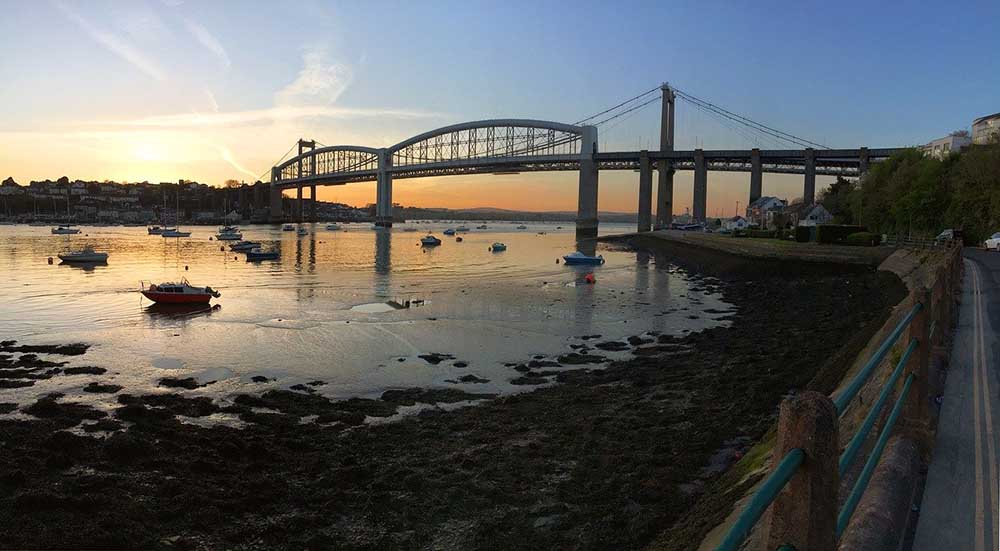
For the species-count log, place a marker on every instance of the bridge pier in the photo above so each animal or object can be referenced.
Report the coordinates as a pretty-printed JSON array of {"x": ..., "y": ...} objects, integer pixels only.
[
  {"x": 383, "y": 190},
  {"x": 862, "y": 163},
  {"x": 274, "y": 201},
  {"x": 645, "y": 192},
  {"x": 298, "y": 203},
  {"x": 312, "y": 203},
  {"x": 700, "y": 186},
  {"x": 756, "y": 176},
  {"x": 586, "y": 212},
  {"x": 665, "y": 173},
  {"x": 809, "y": 187}
]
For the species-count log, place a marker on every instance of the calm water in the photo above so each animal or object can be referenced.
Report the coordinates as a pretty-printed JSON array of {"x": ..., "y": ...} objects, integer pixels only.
[{"x": 320, "y": 313}]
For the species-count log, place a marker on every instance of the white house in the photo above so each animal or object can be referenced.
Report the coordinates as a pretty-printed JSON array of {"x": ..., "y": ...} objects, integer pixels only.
[
  {"x": 759, "y": 211},
  {"x": 735, "y": 223},
  {"x": 942, "y": 147},
  {"x": 985, "y": 129},
  {"x": 816, "y": 215}
]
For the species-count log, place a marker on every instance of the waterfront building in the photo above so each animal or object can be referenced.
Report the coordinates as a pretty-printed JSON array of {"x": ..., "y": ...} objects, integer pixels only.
[
  {"x": 736, "y": 223},
  {"x": 761, "y": 211}
]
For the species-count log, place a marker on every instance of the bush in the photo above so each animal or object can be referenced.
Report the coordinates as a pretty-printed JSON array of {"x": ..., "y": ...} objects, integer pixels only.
[
  {"x": 833, "y": 233},
  {"x": 802, "y": 234},
  {"x": 762, "y": 233},
  {"x": 865, "y": 239}
]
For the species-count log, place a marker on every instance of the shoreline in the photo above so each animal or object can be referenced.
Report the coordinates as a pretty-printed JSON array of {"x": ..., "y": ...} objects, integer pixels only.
[{"x": 606, "y": 459}]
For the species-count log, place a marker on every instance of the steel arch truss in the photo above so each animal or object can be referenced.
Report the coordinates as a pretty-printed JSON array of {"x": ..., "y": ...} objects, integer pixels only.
[
  {"x": 485, "y": 144},
  {"x": 337, "y": 164}
]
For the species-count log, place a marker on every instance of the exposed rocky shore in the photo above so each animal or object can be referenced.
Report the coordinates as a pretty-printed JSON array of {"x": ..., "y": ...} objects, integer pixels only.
[{"x": 606, "y": 459}]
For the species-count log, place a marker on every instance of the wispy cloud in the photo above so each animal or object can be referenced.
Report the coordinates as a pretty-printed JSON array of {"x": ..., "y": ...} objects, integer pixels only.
[
  {"x": 208, "y": 40},
  {"x": 227, "y": 156},
  {"x": 264, "y": 116},
  {"x": 114, "y": 44},
  {"x": 318, "y": 83}
]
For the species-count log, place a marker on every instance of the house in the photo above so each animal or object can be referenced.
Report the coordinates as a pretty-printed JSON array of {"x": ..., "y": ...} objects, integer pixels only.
[
  {"x": 985, "y": 129},
  {"x": 735, "y": 223},
  {"x": 760, "y": 212},
  {"x": 942, "y": 147},
  {"x": 815, "y": 216}
]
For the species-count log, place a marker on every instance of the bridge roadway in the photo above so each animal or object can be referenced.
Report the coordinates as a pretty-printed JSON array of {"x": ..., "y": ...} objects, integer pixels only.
[{"x": 960, "y": 508}]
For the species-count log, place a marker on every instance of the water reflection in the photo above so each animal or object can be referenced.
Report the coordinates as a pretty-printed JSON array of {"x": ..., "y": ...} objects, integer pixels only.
[
  {"x": 159, "y": 313},
  {"x": 85, "y": 266}
]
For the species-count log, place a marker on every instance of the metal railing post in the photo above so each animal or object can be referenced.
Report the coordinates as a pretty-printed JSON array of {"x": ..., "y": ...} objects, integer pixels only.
[{"x": 804, "y": 514}]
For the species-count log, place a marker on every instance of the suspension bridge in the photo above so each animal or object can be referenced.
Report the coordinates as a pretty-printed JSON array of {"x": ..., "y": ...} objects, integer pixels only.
[{"x": 506, "y": 146}]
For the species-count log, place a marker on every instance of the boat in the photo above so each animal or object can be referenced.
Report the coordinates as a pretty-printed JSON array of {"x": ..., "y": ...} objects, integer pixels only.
[
  {"x": 288, "y": 227},
  {"x": 154, "y": 230},
  {"x": 177, "y": 293},
  {"x": 258, "y": 253},
  {"x": 409, "y": 229},
  {"x": 87, "y": 254},
  {"x": 430, "y": 241},
  {"x": 449, "y": 231},
  {"x": 175, "y": 232},
  {"x": 242, "y": 246},
  {"x": 229, "y": 233},
  {"x": 458, "y": 239},
  {"x": 332, "y": 227},
  {"x": 302, "y": 231},
  {"x": 65, "y": 230},
  {"x": 481, "y": 227},
  {"x": 580, "y": 258},
  {"x": 497, "y": 247},
  {"x": 522, "y": 227},
  {"x": 462, "y": 228}
]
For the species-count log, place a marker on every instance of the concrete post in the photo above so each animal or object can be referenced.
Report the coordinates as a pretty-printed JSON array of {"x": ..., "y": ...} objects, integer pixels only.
[
  {"x": 586, "y": 212},
  {"x": 383, "y": 190},
  {"x": 645, "y": 192},
  {"x": 804, "y": 514},
  {"x": 809, "y": 188},
  {"x": 863, "y": 163},
  {"x": 665, "y": 173},
  {"x": 700, "y": 186},
  {"x": 312, "y": 203},
  {"x": 916, "y": 415},
  {"x": 298, "y": 202},
  {"x": 756, "y": 176},
  {"x": 274, "y": 201}
]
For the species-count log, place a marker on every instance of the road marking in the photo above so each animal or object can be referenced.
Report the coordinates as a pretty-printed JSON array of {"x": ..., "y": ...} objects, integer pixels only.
[
  {"x": 990, "y": 436},
  {"x": 981, "y": 391},
  {"x": 977, "y": 425}
]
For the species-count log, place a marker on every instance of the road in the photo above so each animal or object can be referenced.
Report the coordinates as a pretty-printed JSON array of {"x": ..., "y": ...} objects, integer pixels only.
[{"x": 960, "y": 503}]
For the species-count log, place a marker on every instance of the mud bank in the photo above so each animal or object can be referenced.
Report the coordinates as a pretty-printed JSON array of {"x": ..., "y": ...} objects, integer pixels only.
[{"x": 606, "y": 459}]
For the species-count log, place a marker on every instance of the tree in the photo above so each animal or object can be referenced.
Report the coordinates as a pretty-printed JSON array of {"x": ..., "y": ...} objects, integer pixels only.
[{"x": 232, "y": 184}]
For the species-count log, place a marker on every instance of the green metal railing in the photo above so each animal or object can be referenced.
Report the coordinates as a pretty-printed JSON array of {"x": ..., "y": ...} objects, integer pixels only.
[{"x": 790, "y": 463}]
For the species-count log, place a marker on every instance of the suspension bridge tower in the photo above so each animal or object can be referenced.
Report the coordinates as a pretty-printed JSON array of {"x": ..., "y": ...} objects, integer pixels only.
[{"x": 665, "y": 187}]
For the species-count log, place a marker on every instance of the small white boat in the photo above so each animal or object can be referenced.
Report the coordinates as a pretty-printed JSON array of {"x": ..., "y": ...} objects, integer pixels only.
[
  {"x": 302, "y": 231},
  {"x": 430, "y": 241},
  {"x": 65, "y": 230},
  {"x": 260, "y": 254},
  {"x": 580, "y": 258},
  {"x": 154, "y": 230},
  {"x": 229, "y": 233},
  {"x": 522, "y": 227},
  {"x": 497, "y": 247},
  {"x": 87, "y": 254},
  {"x": 241, "y": 246},
  {"x": 175, "y": 232},
  {"x": 333, "y": 227},
  {"x": 288, "y": 227}
]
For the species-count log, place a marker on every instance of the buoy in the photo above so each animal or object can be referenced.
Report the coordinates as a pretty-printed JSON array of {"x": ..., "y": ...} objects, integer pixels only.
[
  {"x": 210, "y": 238},
  {"x": 222, "y": 248},
  {"x": 557, "y": 261},
  {"x": 185, "y": 267},
  {"x": 235, "y": 257},
  {"x": 589, "y": 278},
  {"x": 50, "y": 260}
]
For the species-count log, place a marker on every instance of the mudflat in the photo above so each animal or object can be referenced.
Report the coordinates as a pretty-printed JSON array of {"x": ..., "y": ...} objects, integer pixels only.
[{"x": 606, "y": 459}]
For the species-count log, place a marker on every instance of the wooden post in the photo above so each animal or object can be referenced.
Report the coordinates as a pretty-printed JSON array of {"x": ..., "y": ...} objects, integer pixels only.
[
  {"x": 804, "y": 514},
  {"x": 916, "y": 415}
]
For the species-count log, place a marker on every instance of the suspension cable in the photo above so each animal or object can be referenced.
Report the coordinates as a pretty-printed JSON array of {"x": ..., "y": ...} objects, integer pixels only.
[{"x": 578, "y": 123}]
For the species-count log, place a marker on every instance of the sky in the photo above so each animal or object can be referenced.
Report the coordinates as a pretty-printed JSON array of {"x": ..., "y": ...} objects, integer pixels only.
[{"x": 161, "y": 90}]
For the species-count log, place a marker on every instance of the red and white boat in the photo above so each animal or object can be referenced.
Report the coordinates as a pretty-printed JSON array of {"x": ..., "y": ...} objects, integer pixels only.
[{"x": 177, "y": 293}]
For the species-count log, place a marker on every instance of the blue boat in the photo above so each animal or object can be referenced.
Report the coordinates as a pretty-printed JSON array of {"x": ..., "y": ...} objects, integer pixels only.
[
  {"x": 430, "y": 241},
  {"x": 498, "y": 246},
  {"x": 449, "y": 231},
  {"x": 580, "y": 258}
]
